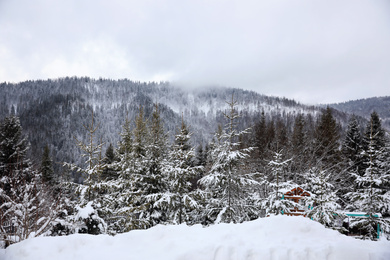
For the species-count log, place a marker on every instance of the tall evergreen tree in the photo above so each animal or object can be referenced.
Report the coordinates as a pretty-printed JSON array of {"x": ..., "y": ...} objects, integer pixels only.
[
  {"x": 47, "y": 167},
  {"x": 281, "y": 135},
  {"x": 122, "y": 194},
  {"x": 140, "y": 135},
  {"x": 327, "y": 138},
  {"x": 153, "y": 181},
  {"x": 90, "y": 199},
  {"x": 352, "y": 150},
  {"x": 374, "y": 136},
  {"x": 179, "y": 199},
  {"x": 352, "y": 146},
  {"x": 109, "y": 160},
  {"x": 371, "y": 197},
  {"x": 275, "y": 203},
  {"x": 228, "y": 188},
  {"x": 26, "y": 209},
  {"x": 260, "y": 136},
  {"x": 322, "y": 204},
  {"x": 128, "y": 201},
  {"x": 299, "y": 147},
  {"x": 13, "y": 148}
]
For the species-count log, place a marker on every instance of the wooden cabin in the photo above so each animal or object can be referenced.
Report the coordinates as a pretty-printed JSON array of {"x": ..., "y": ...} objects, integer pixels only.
[{"x": 296, "y": 195}]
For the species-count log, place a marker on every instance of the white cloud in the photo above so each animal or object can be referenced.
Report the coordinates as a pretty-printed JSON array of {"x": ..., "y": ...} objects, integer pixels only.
[{"x": 314, "y": 51}]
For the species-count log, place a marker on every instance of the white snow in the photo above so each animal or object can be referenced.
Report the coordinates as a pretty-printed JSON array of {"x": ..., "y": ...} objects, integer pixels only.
[
  {"x": 278, "y": 237},
  {"x": 84, "y": 212}
]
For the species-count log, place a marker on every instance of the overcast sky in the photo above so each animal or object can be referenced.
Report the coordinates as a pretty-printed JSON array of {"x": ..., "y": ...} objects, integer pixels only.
[{"x": 314, "y": 51}]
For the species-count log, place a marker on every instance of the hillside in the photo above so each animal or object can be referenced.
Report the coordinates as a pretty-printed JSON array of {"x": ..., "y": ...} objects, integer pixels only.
[
  {"x": 54, "y": 111},
  {"x": 364, "y": 107}
]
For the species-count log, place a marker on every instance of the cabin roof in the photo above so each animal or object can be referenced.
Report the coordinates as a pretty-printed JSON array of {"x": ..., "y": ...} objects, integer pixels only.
[{"x": 297, "y": 192}]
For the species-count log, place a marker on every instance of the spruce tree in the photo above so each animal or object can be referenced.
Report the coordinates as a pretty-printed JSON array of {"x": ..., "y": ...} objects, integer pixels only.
[
  {"x": 128, "y": 195},
  {"x": 299, "y": 148},
  {"x": 179, "y": 199},
  {"x": 47, "y": 167},
  {"x": 13, "y": 149},
  {"x": 109, "y": 160},
  {"x": 89, "y": 213},
  {"x": 228, "y": 188},
  {"x": 327, "y": 138},
  {"x": 26, "y": 206},
  {"x": 352, "y": 146},
  {"x": 372, "y": 196},
  {"x": 153, "y": 181},
  {"x": 122, "y": 193},
  {"x": 374, "y": 135},
  {"x": 275, "y": 203},
  {"x": 260, "y": 135},
  {"x": 322, "y": 205},
  {"x": 352, "y": 150}
]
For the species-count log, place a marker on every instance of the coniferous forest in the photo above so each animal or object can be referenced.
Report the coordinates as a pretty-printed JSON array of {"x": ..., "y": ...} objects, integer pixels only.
[{"x": 79, "y": 155}]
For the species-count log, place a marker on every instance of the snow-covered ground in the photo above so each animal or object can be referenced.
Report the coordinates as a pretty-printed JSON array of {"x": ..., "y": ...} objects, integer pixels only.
[{"x": 279, "y": 237}]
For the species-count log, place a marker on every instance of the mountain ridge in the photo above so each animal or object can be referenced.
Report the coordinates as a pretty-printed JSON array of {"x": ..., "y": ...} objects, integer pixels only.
[
  {"x": 54, "y": 111},
  {"x": 365, "y": 106}
]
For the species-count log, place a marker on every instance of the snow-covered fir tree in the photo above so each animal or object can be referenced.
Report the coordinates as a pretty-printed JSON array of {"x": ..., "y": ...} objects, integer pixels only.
[
  {"x": 89, "y": 210},
  {"x": 26, "y": 206},
  {"x": 137, "y": 170},
  {"x": 352, "y": 145},
  {"x": 371, "y": 196},
  {"x": 322, "y": 205},
  {"x": 352, "y": 149},
  {"x": 46, "y": 169},
  {"x": 179, "y": 199},
  {"x": 275, "y": 203},
  {"x": 228, "y": 189},
  {"x": 153, "y": 181},
  {"x": 123, "y": 197}
]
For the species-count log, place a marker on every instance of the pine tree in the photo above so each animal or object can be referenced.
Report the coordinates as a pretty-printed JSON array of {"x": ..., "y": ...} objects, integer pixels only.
[
  {"x": 29, "y": 211},
  {"x": 228, "y": 189},
  {"x": 179, "y": 200},
  {"x": 299, "y": 145},
  {"x": 275, "y": 203},
  {"x": 352, "y": 150},
  {"x": 109, "y": 160},
  {"x": 26, "y": 207},
  {"x": 153, "y": 181},
  {"x": 271, "y": 142},
  {"x": 281, "y": 135},
  {"x": 326, "y": 138},
  {"x": 201, "y": 156},
  {"x": 121, "y": 191},
  {"x": 130, "y": 206},
  {"x": 371, "y": 196},
  {"x": 374, "y": 136},
  {"x": 13, "y": 149},
  {"x": 125, "y": 197},
  {"x": 322, "y": 204},
  {"x": 47, "y": 167},
  {"x": 140, "y": 134},
  {"x": 89, "y": 212},
  {"x": 260, "y": 135},
  {"x": 352, "y": 146}
]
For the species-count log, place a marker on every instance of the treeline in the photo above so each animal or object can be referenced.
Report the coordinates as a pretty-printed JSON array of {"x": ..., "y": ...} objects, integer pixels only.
[
  {"x": 53, "y": 111},
  {"x": 147, "y": 179}
]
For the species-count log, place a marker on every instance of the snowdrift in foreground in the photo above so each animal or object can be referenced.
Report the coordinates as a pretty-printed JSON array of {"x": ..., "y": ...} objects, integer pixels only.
[{"x": 277, "y": 237}]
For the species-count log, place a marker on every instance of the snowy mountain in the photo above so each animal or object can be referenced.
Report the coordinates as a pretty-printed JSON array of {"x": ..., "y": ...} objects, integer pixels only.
[
  {"x": 54, "y": 111},
  {"x": 277, "y": 237}
]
